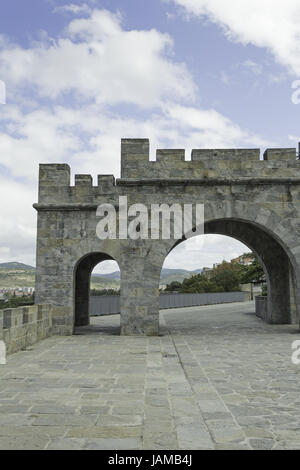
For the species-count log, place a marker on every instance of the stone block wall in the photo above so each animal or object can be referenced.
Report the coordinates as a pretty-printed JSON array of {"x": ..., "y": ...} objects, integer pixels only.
[
  {"x": 248, "y": 196},
  {"x": 24, "y": 326}
]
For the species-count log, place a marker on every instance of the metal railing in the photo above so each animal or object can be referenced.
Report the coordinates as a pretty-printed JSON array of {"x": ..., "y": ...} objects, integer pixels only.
[{"x": 110, "y": 304}]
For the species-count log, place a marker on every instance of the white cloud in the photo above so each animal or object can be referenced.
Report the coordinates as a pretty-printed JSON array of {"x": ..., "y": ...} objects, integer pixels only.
[
  {"x": 206, "y": 128},
  {"x": 204, "y": 250},
  {"x": 88, "y": 138},
  {"x": 99, "y": 60},
  {"x": 2, "y": 92},
  {"x": 254, "y": 67},
  {"x": 103, "y": 65},
  {"x": 295, "y": 139},
  {"x": 106, "y": 267},
  {"x": 271, "y": 24},
  {"x": 73, "y": 8},
  {"x": 225, "y": 78},
  {"x": 18, "y": 221},
  {"x": 37, "y": 137}
]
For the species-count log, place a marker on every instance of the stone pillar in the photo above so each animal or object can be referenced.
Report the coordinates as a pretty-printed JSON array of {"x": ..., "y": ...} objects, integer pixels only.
[
  {"x": 293, "y": 297},
  {"x": 140, "y": 293}
]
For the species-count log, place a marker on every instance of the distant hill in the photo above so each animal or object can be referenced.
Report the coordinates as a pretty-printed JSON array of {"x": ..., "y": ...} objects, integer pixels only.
[
  {"x": 115, "y": 275},
  {"x": 165, "y": 273},
  {"x": 16, "y": 265},
  {"x": 181, "y": 272},
  {"x": 197, "y": 271},
  {"x": 16, "y": 274},
  {"x": 171, "y": 275}
]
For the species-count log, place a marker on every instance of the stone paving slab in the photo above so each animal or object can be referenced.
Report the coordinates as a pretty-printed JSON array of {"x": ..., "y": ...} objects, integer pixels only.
[{"x": 216, "y": 378}]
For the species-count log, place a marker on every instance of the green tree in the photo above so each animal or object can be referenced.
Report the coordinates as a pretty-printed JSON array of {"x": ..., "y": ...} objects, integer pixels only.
[
  {"x": 199, "y": 283},
  {"x": 227, "y": 275},
  {"x": 252, "y": 273},
  {"x": 173, "y": 286},
  {"x": 96, "y": 292},
  {"x": 14, "y": 302}
]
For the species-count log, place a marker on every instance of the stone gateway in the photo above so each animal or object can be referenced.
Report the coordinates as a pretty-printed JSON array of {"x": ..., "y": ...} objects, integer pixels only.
[{"x": 255, "y": 201}]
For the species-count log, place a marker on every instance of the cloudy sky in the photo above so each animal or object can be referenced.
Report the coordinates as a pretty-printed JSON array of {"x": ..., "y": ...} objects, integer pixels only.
[{"x": 185, "y": 73}]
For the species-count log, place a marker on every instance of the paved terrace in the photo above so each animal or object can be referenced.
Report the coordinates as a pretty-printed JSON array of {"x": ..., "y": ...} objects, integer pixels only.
[{"x": 217, "y": 378}]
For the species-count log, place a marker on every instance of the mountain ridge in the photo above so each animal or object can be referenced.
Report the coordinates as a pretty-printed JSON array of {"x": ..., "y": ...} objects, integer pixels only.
[
  {"x": 164, "y": 273},
  {"x": 15, "y": 274},
  {"x": 16, "y": 265}
]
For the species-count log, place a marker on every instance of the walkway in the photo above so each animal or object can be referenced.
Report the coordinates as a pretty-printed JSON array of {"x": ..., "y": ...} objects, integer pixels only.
[{"x": 217, "y": 378}]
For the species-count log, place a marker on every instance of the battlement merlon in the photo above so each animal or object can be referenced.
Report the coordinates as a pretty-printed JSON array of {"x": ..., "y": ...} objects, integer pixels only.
[
  {"x": 54, "y": 174},
  {"x": 202, "y": 155},
  {"x": 280, "y": 154},
  {"x": 134, "y": 152},
  {"x": 55, "y": 185},
  {"x": 54, "y": 181}
]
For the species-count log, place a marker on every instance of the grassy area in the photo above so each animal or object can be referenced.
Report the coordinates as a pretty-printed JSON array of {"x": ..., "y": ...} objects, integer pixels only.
[
  {"x": 13, "y": 278},
  {"x": 17, "y": 277},
  {"x": 99, "y": 283}
]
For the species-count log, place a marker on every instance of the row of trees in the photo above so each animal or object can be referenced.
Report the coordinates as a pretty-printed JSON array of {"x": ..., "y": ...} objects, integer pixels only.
[
  {"x": 97, "y": 292},
  {"x": 225, "y": 277},
  {"x": 14, "y": 302}
]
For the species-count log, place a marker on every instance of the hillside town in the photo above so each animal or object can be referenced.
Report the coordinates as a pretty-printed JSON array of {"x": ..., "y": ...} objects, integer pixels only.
[{"x": 6, "y": 292}]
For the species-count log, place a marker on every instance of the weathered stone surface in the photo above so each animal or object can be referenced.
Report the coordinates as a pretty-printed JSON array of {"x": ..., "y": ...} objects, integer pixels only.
[
  {"x": 22, "y": 327},
  {"x": 253, "y": 200},
  {"x": 63, "y": 393}
]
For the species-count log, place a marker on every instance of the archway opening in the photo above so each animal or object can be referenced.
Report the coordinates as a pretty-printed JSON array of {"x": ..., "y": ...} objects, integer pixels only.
[
  {"x": 279, "y": 273},
  {"x": 209, "y": 270},
  {"x": 97, "y": 280}
]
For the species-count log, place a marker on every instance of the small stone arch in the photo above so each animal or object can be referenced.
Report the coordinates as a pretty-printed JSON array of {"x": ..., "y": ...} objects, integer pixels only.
[{"x": 82, "y": 277}]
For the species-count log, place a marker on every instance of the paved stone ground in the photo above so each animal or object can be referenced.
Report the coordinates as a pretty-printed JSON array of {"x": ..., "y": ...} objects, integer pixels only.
[{"x": 217, "y": 378}]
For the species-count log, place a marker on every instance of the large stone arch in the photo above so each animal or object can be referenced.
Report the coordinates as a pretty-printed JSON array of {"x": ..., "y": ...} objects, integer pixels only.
[
  {"x": 276, "y": 262},
  {"x": 254, "y": 200},
  {"x": 270, "y": 237},
  {"x": 280, "y": 275}
]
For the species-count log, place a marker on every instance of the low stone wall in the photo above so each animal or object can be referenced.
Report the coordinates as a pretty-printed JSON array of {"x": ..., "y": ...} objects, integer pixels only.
[
  {"x": 261, "y": 307},
  {"x": 21, "y": 327}
]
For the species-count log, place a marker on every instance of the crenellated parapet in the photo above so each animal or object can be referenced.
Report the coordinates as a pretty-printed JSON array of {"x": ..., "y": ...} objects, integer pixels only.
[{"x": 205, "y": 163}]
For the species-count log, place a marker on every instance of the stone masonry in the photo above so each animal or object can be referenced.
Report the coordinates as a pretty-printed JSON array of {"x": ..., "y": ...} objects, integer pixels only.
[
  {"x": 22, "y": 327},
  {"x": 255, "y": 201},
  {"x": 217, "y": 378}
]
